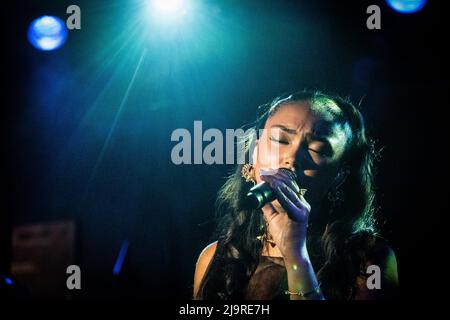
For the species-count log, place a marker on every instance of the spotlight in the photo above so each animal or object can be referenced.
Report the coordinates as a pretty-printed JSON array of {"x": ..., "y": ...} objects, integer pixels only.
[
  {"x": 47, "y": 33},
  {"x": 406, "y": 6},
  {"x": 168, "y": 8}
]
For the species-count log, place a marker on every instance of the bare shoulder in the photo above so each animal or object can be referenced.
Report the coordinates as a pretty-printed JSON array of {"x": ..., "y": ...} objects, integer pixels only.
[
  {"x": 207, "y": 253},
  {"x": 381, "y": 255},
  {"x": 203, "y": 262},
  {"x": 384, "y": 256}
]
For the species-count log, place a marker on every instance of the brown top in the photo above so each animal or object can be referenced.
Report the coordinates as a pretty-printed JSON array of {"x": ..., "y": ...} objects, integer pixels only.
[{"x": 269, "y": 281}]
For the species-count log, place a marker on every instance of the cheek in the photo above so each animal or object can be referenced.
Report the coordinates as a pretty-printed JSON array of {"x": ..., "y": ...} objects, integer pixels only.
[
  {"x": 265, "y": 156},
  {"x": 318, "y": 181},
  {"x": 311, "y": 173},
  {"x": 268, "y": 154}
]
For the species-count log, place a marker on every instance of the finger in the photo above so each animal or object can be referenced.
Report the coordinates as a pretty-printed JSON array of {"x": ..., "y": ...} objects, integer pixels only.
[
  {"x": 296, "y": 202},
  {"x": 288, "y": 198},
  {"x": 296, "y": 198},
  {"x": 300, "y": 211},
  {"x": 269, "y": 175},
  {"x": 266, "y": 173},
  {"x": 277, "y": 180},
  {"x": 286, "y": 203},
  {"x": 288, "y": 179}
]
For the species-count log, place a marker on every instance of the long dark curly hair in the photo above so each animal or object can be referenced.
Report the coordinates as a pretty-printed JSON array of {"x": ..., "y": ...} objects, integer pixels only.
[{"x": 333, "y": 252}]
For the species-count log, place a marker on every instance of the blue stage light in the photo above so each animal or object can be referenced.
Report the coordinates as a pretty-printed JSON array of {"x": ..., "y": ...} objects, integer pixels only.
[
  {"x": 167, "y": 11},
  {"x": 169, "y": 6},
  {"x": 47, "y": 33},
  {"x": 406, "y": 6},
  {"x": 8, "y": 280},
  {"x": 120, "y": 258}
]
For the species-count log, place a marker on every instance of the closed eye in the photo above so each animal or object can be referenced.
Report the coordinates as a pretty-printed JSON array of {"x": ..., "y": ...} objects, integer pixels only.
[
  {"x": 321, "y": 153},
  {"x": 279, "y": 141}
]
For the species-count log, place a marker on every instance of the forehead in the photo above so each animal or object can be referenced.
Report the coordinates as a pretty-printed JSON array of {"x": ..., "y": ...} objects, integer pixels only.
[
  {"x": 322, "y": 120},
  {"x": 317, "y": 118}
]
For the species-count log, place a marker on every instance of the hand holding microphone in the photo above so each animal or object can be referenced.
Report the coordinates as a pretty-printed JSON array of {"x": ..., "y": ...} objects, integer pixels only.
[
  {"x": 263, "y": 193},
  {"x": 288, "y": 221}
]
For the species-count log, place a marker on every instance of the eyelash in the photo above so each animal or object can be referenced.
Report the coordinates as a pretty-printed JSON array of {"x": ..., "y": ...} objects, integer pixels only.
[
  {"x": 279, "y": 141},
  {"x": 322, "y": 154}
]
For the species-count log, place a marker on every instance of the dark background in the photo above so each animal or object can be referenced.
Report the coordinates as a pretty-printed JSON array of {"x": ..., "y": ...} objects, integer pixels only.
[{"x": 59, "y": 107}]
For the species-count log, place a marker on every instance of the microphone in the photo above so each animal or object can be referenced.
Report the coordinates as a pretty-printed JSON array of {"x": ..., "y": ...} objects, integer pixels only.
[{"x": 262, "y": 193}]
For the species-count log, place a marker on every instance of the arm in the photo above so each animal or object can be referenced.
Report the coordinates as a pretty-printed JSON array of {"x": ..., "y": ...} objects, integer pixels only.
[
  {"x": 288, "y": 225},
  {"x": 202, "y": 265},
  {"x": 384, "y": 257},
  {"x": 301, "y": 275}
]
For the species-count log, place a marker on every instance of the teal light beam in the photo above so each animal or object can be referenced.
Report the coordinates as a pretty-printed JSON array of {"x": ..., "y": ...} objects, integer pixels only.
[{"x": 116, "y": 119}]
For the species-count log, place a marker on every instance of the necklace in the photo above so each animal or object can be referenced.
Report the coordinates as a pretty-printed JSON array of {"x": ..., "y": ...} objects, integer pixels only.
[{"x": 266, "y": 237}]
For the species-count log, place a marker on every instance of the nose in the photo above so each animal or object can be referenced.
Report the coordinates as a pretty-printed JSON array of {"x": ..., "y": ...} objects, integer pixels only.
[
  {"x": 294, "y": 159},
  {"x": 289, "y": 161}
]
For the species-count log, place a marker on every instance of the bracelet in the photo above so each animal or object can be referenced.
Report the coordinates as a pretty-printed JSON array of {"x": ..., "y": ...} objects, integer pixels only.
[{"x": 316, "y": 290}]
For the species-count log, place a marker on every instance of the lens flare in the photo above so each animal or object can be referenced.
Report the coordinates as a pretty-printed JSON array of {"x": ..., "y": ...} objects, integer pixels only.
[{"x": 47, "y": 33}]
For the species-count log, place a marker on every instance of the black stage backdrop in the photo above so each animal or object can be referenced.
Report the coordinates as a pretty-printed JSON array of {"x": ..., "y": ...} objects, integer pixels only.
[{"x": 62, "y": 160}]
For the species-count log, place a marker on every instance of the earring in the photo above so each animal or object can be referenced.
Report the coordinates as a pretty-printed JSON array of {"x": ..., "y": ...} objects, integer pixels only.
[
  {"x": 248, "y": 173},
  {"x": 336, "y": 196}
]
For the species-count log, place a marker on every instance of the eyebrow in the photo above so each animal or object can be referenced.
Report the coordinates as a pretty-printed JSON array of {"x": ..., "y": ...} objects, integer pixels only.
[
  {"x": 314, "y": 137},
  {"x": 285, "y": 129},
  {"x": 309, "y": 135}
]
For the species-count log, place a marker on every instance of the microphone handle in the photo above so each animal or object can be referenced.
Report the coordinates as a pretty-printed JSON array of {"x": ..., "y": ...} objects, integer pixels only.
[
  {"x": 262, "y": 193},
  {"x": 259, "y": 195}
]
